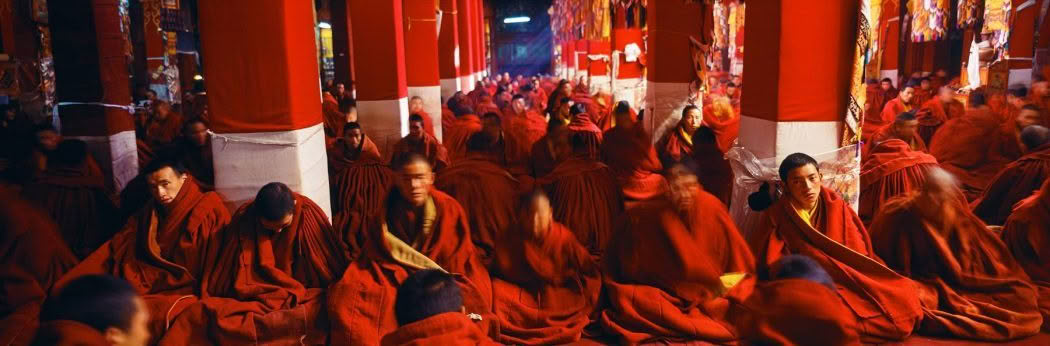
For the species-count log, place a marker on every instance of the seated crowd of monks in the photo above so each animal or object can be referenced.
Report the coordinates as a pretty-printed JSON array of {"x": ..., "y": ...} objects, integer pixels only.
[{"x": 544, "y": 215}]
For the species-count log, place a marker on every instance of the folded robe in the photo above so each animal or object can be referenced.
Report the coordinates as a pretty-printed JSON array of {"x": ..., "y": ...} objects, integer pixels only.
[
  {"x": 76, "y": 198},
  {"x": 632, "y": 158},
  {"x": 662, "y": 273},
  {"x": 585, "y": 197},
  {"x": 970, "y": 285},
  {"x": 1027, "y": 235},
  {"x": 974, "y": 149},
  {"x": 791, "y": 312},
  {"x": 69, "y": 333},
  {"x": 450, "y": 328},
  {"x": 935, "y": 113},
  {"x": 425, "y": 145},
  {"x": 360, "y": 183},
  {"x": 361, "y": 303},
  {"x": 488, "y": 194},
  {"x": 885, "y": 303},
  {"x": 1015, "y": 182},
  {"x": 265, "y": 287},
  {"x": 545, "y": 289},
  {"x": 891, "y": 169}
]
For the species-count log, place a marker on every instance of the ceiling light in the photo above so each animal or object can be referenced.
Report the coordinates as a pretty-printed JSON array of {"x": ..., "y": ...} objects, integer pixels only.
[
  {"x": 324, "y": 25},
  {"x": 511, "y": 20}
]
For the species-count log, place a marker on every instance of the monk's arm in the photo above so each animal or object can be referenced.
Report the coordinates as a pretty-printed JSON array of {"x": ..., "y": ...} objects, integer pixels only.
[{"x": 766, "y": 244}]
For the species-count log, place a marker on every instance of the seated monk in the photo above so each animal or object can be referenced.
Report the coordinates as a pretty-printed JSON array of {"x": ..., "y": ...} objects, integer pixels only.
[
  {"x": 974, "y": 148},
  {"x": 94, "y": 310},
  {"x": 415, "y": 106},
  {"x": 544, "y": 154},
  {"x": 359, "y": 181},
  {"x": 333, "y": 118},
  {"x": 923, "y": 93},
  {"x": 523, "y": 123},
  {"x": 164, "y": 126},
  {"x": 162, "y": 249},
  {"x": 266, "y": 276},
  {"x": 814, "y": 221},
  {"x": 546, "y": 284},
  {"x": 73, "y": 192},
  {"x": 891, "y": 169},
  {"x": 505, "y": 150},
  {"x": 713, "y": 168},
  {"x": 466, "y": 124},
  {"x": 676, "y": 145},
  {"x": 904, "y": 127},
  {"x": 937, "y": 111},
  {"x": 970, "y": 285},
  {"x": 448, "y": 117},
  {"x": 662, "y": 272},
  {"x": 34, "y": 258},
  {"x": 584, "y": 194},
  {"x": 1018, "y": 180},
  {"x": 582, "y": 125},
  {"x": 486, "y": 191},
  {"x": 629, "y": 152},
  {"x": 430, "y": 311},
  {"x": 1027, "y": 235},
  {"x": 902, "y": 103},
  {"x": 420, "y": 142},
  {"x": 420, "y": 228},
  {"x": 194, "y": 150}
]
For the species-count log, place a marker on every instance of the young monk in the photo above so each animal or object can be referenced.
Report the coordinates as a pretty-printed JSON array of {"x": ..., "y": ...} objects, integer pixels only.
[
  {"x": 266, "y": 274},
  {"x": 430, "y": 311},
  {"x": 359, "y": 181},
  {"x": 971, "y": 286},
  {"x": 420, "y": 228},
  {"x": 904, "y": 127},
  {"x": 975, "y": 147},
  {"x": 1018, "y": 180},
  {"x": 95, "y": 310},
  {"x": 814, "y": 221},
  {"x": 629, "y": 152},
  {"x": 162, "y": 249},
  {"x": 937, "y": 111},
  {"x": 419, "y": 141},
  {"x": 164, "y": 126},
  {"x": 902, "y": 103},
  {"x": 415, "y": 106},
  {"x": 466, "y": 124},
  {"x": 891, "y": 169},
  {"x": 545, "y": 282},
  {"x": 507, "y": 151},
  {"x": 662, "y": 273},
  {"x": 194, "y": 150},
  {"x": 1026, "y": 235},
  {"x": 524, "y": 123},
  {"x": 676, "y": 145}
]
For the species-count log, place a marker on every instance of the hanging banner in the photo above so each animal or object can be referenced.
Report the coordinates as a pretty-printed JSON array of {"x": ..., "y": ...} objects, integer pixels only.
[
  {"x": 869, "y": 11},
  {"x": 929, "y": 19}
]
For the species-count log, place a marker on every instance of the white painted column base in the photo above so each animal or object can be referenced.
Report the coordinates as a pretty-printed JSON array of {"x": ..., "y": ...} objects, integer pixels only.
[
  {"x": 664, "y": 104},
  {"x": 1020, "y": 76},
  {"x": 632, "y": 90},
  {"x": 449, "y": 86},
  {"x": 466, "y": 83},
  {"x": 581, "y": 76},
  {"x": 117, "y": 156},
  {"x": 431, "y": 104},
  {"x": 244, "y": 162},
  {"x": 570, "y": 73},
  {"x": 891, "y": 74},
  {"x": 599, "y": 83},
  {"x": 384, "y": 121},
  {"x": 767, "y": 138}
]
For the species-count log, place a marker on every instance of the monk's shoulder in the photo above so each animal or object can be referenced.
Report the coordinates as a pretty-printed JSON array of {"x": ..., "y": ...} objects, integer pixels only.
[
  {"x": 446, "y": 205},
  {"x": 210, "y": 209}
]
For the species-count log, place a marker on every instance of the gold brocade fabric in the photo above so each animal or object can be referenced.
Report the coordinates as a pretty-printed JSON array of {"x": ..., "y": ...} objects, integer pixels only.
[
  {"x": 867, "y": 36},
  {"x": 929, "y": 19}
]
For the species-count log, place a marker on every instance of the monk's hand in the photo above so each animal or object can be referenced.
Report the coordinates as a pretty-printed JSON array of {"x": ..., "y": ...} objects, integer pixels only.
[{"x": 541, "y": 220}]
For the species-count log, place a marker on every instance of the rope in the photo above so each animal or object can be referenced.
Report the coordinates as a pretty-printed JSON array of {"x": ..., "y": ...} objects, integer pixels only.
[
  {"x": 227, "y": 138},
  {"x": 129, "y": 108}
]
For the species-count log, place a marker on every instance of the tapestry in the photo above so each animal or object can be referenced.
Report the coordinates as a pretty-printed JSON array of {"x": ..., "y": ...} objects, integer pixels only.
[
  {"x": 720, "y": 29},
  {"x": 929, "y": 19},
  {"x": 997, "y": 24},
  {"x": 869, "y": 11},
  {"x": 967, "y": 16}
]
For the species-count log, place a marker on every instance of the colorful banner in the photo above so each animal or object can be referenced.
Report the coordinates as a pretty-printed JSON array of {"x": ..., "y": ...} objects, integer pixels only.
[
  {"x": 929, "y": 19},
  {"x": 867, "y": 35},
  {"x": 997, "y": 24},
  {"x": 967, "y": 16}
]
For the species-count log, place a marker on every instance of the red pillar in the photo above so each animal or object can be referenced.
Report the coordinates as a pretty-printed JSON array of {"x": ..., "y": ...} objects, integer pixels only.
[
  {"x": 466, "y": 44},
  {"x": 670, "y": 66},
  {"x": 92, "y": 83},
  {"x": 342, "y": 43},
  {"x": 889, "y": 38},
  {"x": 583, "y": 65},
  {"x": 568, "y": 53},
  {"x": 1022, "y": 41},
  {"x": 448, "y": 50},
  {"x": 479, "y": 38},
  {"x": 598, "y": 57},
  {"x": 260, "y": 65},
  {"x": 421, "y": 57},
  {"x": 382, "y": 102}
]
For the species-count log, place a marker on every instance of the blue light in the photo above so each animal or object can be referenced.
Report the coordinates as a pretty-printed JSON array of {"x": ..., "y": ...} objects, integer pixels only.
[{"x": 511, "y": 20}]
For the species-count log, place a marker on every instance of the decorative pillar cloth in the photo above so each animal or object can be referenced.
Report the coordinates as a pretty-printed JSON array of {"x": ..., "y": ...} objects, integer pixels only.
[
  {"x": 1022, "y": 41},
  {"x": 264, "y": 102},
  {"x": 598, "y": 52},
  {"x": 448, "y": 50},
  {"x": 421, "y": 57},
  {"x": 670, "y": 64},
  {"x": 629, "y": 51},
  {"x": 91, "y": 65},
  {"x": 465, "y": 15},
  {"x": 159, "y": 21},
  {"x": 382, "y": 102}
]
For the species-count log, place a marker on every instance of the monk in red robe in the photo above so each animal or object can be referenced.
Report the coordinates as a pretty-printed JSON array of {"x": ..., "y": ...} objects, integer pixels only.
[
  {"x": 430, "y": 311},
  {"x": 466, "y": 124},
  {"x": 359, "y": 181},
  {"x": 415, "y": 106},
  {"x": 265, "y": 279},
  {"x": 448, "y": 117},
  {"x": 1018, "y": 180},
  {"x": 923, "y": 93},
  {"x": 333, "y": 118},
  {"x": 905, "y": 128},
  {"x": 970, "y": 285},
  {"x": 814, "y": 221},
  {"x": 676, "y": 145},
  {"x": 524, "y": 123},
  {"x": 629, "y": 152},
  {"x": 164, "y": 126},
  {"x": 507, "y": 151},
  {"x": 722, "y": 119},
  {"x": 73, "y": 193},
  {"x": 545, "y": 282},
  {"x": 162, "y": 249},
  {"x": 419, "y": 141},
  {"x": 582, "y": 125},
  {"x": 712, "y": 166},
  {"x": 546, "y": 152},
  {"x": 937, "y": 111},
  {"x": 486, "y": 105},
  {"x": 891, "y": 169},
  {"x": 34, "y": 258},
  {"x": 94, "y": 310},
  {"x": 664, "y": 270},
  {"x": 1027, "y": 235},
  {"x": 584, "y": 194},
  {"x": 194, "y": 150},
  {"x": 420, "y": 228},
  {"x": 974, "y": 148},
  {"x": 903, "y": 103}
]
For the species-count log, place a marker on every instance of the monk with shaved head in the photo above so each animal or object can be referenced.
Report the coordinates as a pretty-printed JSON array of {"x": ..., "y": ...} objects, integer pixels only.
[{"x": 1018, "y": 180}]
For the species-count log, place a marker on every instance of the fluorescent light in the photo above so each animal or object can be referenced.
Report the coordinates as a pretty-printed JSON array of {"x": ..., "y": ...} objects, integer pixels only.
[
  {"x": 324, "y": 25},
  {"x": 198, "y": 77},
  {"x": 510, "y": 20}
]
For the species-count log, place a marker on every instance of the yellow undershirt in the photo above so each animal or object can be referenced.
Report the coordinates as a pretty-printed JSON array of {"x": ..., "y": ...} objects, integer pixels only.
[
  {"x": 806, "y": 215},
  {"x": 686, "y": 136}
]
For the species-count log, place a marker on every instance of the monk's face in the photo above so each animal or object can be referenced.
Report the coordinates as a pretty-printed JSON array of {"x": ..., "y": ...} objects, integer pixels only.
[
  {"x": 945, "y": 95},
  {"x": 48, "y": 139},
  {"x": 906, "y": 94},
  {"x": 905, "y": 129},
  {"x": 541, "y": 216},
  {"x": 731, "y": 91},
  {"x": 414, "y": 182},
  {"x": 886, "y": 86},
  {"x": 925, "y": 84},
  {"x": 415, "y": 105},
  {"x": 692, "y": 120},
  {"x": 165, "y": 184},
  {"x": 279, "y": 224},
  {"x": 161, "y": 111},
  {"x": 137, "y": 333},
  {"x": 681, "y": 187},
  {"x": 415, "y": 129},
  {"x": 354, "y": 137},
  {"x": 518, "y": 105},
  {"x": 340, "y": 89},
  {"x": 1027, "y": 117},
  {"x": 803, "y": 185},
  {"x": 197, "y": 134}
]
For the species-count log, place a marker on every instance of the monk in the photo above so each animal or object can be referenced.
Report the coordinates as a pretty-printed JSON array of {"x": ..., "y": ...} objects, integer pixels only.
[
  {"x": 162, "y": 249},
  {"x": 430, "y": 311},
  {"x": 265, "y": 278},
  {"x": 974, "y": 148},
  {"x": 813, "y": 220},
  {"x": 448, "y": 117},
  {"x": 905, "y": 128},
  {"x": 923, "y": 93},
  {"x": 420, "y": 228},
  {"x": 546, "y": 153},
  {"x": 524, "y": 123},
  {"x": 891, "y": 169},
  {"x": 970, "y": 285},
  {"x": 584, "y": 194},
  {"x": 722, "y": 119},
  {"x": 333, "y": 118},
  {"x": 359, "y": 181},
  {"x": 34, "y": 258},
  {"x": 937, "y": 111},
  {"x": 1016, "y": 98},
  {"x": 415, "y": 106},
  {"x": 1025, "y": 234},
  {"x": 164, "y": 126},
  {"x": 1018, "y": 180},
  {"x": 95, "y": 310},
  {"x": 712, "y": 166},
  {"x": 73, "y": 193},
  {"x": 629, "y": 152},
  {"x": 582, "y": 125},
  {"x": 902, "y": 103},
  {"x": 676, "y": 145},
  {"x": 485, "y": 189},
  {"x": 419, "y": 141},
  {"x": 663, "y": 272},
  {"x": 194, "y": 150},
  {"x": 466, "y": 124}
]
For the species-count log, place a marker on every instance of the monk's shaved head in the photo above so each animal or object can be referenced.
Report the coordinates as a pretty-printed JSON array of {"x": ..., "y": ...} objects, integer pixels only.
[
  {"x": 105, "y": 303},
  {"x": 1033, "y": 137},
  {"x": 427, "y": 293},
  {"x": 415, "y": 177},
  {"x": 275, "y": 202},
  {"x": 70, "y": 153}
]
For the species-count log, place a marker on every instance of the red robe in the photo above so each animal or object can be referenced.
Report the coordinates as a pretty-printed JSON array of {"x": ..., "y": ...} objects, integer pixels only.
[
  {"x": 199, "y": 161},
  {"x": 426, "y": 145},
  {"x": 1027, "y": 235},
  {"x": 585, "y": 197},
  {"x": 726, "y": 131},
  {"x": 889, "y": 114},
  {"x": 526, "y": 128},
  {"x": 582, "y": 125},
  {"x": 921, "y": 96},
  {"x": 450, "y": 328},
  {"x": 488, "y": 194},
  {"x": 334, "y": 120},
  {"x": 886, "y": 133},
  {"x": 541, "y": 157},
  {"x": 674, "y": 147},
  {"x": 890, "y": 170},
  {"x": 76, "y": 198},
  {"x": 970, "y": 285},
  {"x": 885, "y": 303},
  {"x": 545, "y": 289},
  {"x": 632, "y": 158},
  {"x": 456, "y": 137},
  {"x": 361, "y": 308},
  {"x": 662, "y": 273},
  {"x": 974, "y": 148},
  {"x": 162, "y": 252},
  {"x": 428, "y": 124},
  {"x": 160, "y": 133},
  {"x": 789, "y": 311},
  {"x": 448, "y": 120},
  {"x": 360, "y": 183},
  {"x": 1014, "y": 183},
  {"x": 935, "y": 113},
  {"x": 266, "y": 287},
  {"x": 713, "y": 169},
  {"x": 69, "y": 333}
]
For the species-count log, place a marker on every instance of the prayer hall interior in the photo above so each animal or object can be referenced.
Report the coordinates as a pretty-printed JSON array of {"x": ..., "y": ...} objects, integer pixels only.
[{"x": 524, "y": 172}]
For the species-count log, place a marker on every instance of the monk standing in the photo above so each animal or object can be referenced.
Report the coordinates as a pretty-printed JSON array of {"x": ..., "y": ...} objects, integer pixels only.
[
  {"x": 628, "y": 151},
  {"x": 937, "y": 111},
  {"x": 974, "y": 148},
  {"x": 891, "y": 169},
  {"x": 676, "y": 145},
  {"x": 905, "y": 128},
  {"x": 970, "y": 285},
  {"x": 1027, "y": 235},
  {"x": 902, "y": 103},
  {"x": 1018, "y": 180},
  {"x": 419, "y": 141}
]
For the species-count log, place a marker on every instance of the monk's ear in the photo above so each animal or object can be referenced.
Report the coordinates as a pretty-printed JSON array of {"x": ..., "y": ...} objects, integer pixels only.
[{"x": 116, "y": 336}]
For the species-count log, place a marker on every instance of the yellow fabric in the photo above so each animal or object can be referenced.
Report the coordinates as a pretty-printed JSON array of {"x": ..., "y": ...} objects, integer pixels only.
[
  {"x": 729, "y": 280},
  {"x": 407, "y": 254},
  {"x": 688, "y": 138},
  {"x": 806, "y": 215}
]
